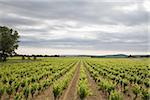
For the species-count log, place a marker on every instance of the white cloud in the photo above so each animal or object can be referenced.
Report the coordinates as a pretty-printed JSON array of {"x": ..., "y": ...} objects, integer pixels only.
[
  {"x": 31, "y": 50},
  {"x": 127, "y": 8},
  {"x": 146, "y": 5}
]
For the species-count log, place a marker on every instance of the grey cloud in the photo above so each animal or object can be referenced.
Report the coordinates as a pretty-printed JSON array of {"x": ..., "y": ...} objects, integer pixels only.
[
  {"x": 13, "y": 21},
  {"x": 84, "y": 13},
  {"x": 104, "y": 41},
  {"x": 97, "y": 12}
]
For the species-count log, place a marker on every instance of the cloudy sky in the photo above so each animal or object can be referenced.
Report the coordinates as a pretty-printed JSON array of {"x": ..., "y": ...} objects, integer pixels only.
[{"x": 79, "y": 26}]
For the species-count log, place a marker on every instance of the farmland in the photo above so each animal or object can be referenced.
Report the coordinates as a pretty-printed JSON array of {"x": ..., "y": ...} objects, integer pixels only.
[{"x": 75, "y": 78}]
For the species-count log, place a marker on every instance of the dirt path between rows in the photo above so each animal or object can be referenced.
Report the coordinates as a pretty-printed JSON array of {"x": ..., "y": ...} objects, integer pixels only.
[
  {"x": 48, "y": 93},
  {"x": 45, "y": 95},
  {"x": 71, "y": 92},
  {"x": 93, "y": 86}
]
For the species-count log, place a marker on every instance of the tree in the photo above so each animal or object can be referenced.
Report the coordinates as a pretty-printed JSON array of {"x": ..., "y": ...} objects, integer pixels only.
[
  {"x": 8, "y": 42},
  {"x": 23, "y": 57},
  {"x": 34, "y": 57}
]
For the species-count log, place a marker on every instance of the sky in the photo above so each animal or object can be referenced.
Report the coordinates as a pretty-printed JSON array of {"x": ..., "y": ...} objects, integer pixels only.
[{"x": 87, "y": 27}]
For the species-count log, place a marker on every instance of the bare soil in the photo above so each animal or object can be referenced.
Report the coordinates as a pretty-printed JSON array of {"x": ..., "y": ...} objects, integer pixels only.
[
  {"x": 45, "y": 95},
  {"x": 96, "y": 95},
  {"x": 71, "y": 92}
]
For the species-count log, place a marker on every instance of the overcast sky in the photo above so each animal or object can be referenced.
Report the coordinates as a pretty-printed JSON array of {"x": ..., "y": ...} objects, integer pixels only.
[{"x": 79, "y": 26}]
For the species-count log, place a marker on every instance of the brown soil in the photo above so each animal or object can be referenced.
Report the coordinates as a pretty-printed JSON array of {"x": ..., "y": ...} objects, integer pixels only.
[
  {"x": 71, "y": 92},
  {"x": 96, "y": 95},
  {"x": 129, "y": 95},
  {"x": 45, "y": 95}
]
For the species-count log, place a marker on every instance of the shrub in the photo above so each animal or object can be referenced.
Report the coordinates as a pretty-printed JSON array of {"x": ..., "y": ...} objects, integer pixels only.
[
  {"x": 145, "y": 94},
  {"x": 147, "y": 82},
  {"x": 2, "y": 90},
  {"x": 17, "y": 96},
  {"x": 125, "y": 89},
  {"x": 83, "y": 90},
  {"x": 33, "y": 89},
  {"x": 26, "y": 92},
  {"x": 9, "y": 90},
  {"x": 83, "y": 86},
  {"x": 16, "y": 86},
  {"x": 107, "y": 86},
  {"x": 115, "y": 96},
  {"x": 56, "y": 91},
  {"x": 136, "y": 90}
]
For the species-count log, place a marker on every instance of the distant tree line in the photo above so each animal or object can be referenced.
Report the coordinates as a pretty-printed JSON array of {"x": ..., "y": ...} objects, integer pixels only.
[
  {"x": 34, "y": 56},
  {"x": 28, "y": 57},
  {"x": 138, "y": 56},
  {"x": 37, "y": 55}
]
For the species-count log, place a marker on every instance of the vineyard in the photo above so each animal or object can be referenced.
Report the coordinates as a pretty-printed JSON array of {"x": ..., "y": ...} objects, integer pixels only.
[{"x": 69, "y": 78}]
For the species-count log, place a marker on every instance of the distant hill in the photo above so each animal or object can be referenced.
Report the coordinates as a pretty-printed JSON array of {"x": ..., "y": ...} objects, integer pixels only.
[
  {"x": 117, "y": 56},
  {"x": 111, "y": 56}
]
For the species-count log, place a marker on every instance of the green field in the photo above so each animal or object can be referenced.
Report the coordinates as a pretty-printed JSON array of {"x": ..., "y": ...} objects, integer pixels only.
[{"x": 85, "y": 78}]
